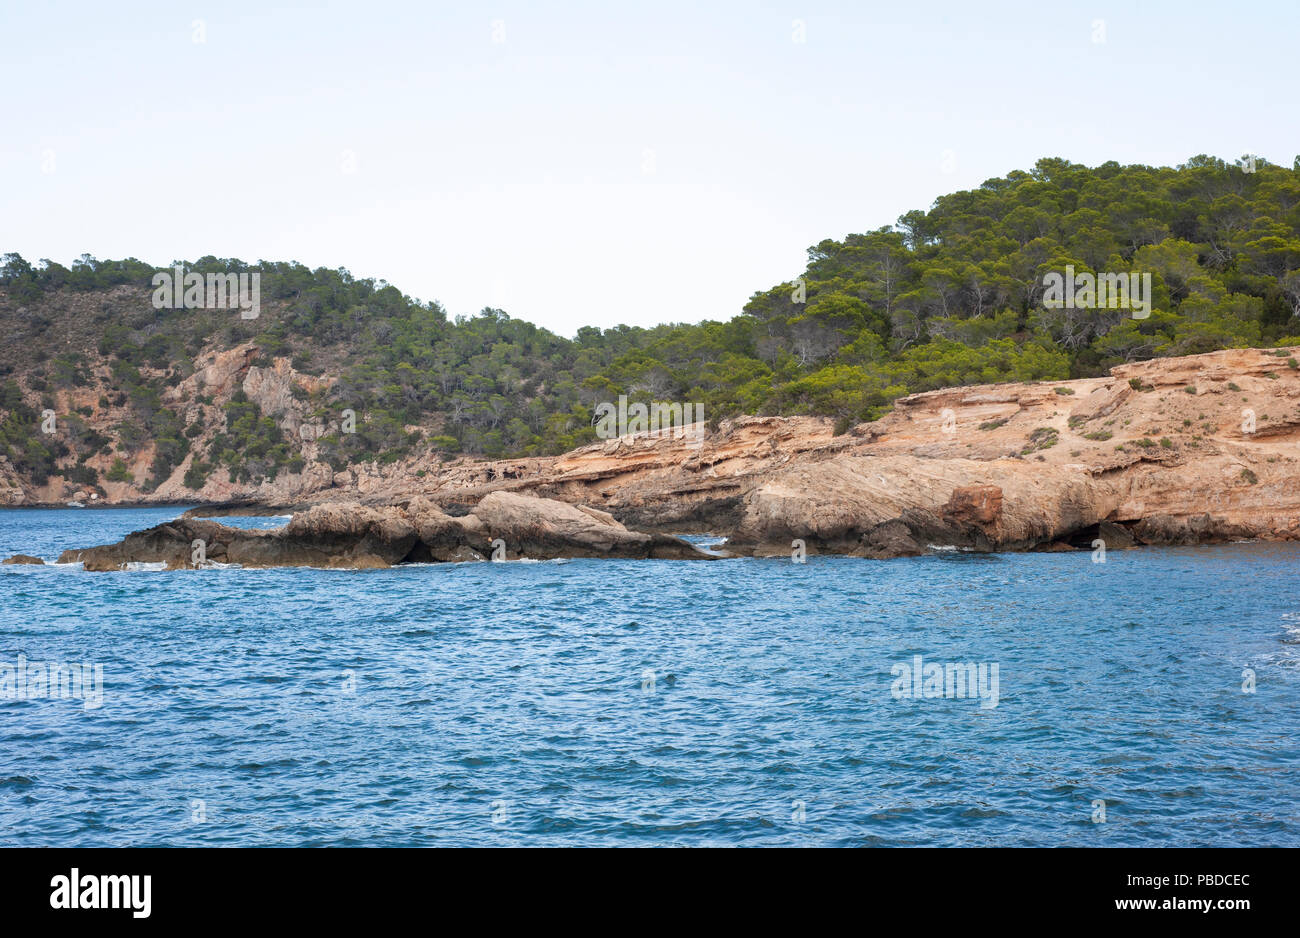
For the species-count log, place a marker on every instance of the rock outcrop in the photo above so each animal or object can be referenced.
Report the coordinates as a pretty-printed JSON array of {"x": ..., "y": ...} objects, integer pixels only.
[
  {"x": 896, "y": 505},
  {"x": 24, "y": 559},
  {"x": 504, "y": 526},
  {"x": 542, "y": 527},
  {"x": 1170, "y": 451}
]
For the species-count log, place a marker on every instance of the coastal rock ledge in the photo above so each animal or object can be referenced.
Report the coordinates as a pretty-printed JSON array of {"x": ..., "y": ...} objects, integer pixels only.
[{"x": 351, "y": 535}]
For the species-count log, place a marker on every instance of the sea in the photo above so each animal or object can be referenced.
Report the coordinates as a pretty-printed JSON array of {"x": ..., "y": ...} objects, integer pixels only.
[{"x": 1146, "y": 697}]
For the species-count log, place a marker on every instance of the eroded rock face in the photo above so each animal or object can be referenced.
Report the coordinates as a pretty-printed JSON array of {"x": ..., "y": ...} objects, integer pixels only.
[
  {"x": 1190, "y": 529},
  {"x": 1101, "y": 402},
  {"x": 356, "y": 536},
  {"x": 545, "y": 527},
  {"x": 895, "y": 506},
  {"x": 24, "y": 559},
  {"x": 974, "y": 504}
]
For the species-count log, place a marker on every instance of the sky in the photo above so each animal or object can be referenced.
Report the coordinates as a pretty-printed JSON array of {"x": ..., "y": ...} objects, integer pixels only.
[{"x": 591, "y": 163}]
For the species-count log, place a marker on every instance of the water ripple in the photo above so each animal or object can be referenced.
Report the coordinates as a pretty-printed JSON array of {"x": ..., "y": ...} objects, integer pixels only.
[{"x": 740, "y": 702}]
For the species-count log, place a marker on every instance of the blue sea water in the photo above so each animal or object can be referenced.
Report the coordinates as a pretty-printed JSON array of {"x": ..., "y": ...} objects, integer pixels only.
[{"x": 590, "y": 702}]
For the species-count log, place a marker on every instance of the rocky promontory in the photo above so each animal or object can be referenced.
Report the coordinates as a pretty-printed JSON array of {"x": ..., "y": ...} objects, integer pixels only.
[{"x": 504, "y": 526}]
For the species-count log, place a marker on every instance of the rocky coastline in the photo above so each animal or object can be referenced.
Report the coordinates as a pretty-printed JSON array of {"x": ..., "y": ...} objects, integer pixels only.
[{"x": 1169, "y": 451}]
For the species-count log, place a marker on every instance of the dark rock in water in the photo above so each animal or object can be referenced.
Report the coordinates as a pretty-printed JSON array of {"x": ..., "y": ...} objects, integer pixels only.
[
  {"x": 1115, "y": 536},
  {"x": 25, "y": 559},
  {"x": 503, "y": 526},
  {"x": 1189, "y": 529}
]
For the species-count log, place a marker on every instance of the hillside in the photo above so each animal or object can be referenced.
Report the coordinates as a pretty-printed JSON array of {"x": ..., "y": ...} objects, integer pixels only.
[{"x": 199, "y": 404}]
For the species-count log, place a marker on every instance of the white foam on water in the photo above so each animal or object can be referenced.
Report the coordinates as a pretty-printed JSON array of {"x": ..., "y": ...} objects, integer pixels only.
[{"x": 1291, "y": 626}]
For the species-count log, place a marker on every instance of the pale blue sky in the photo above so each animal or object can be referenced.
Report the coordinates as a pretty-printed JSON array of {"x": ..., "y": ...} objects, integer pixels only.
[{"x": 601, "y": 164}]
